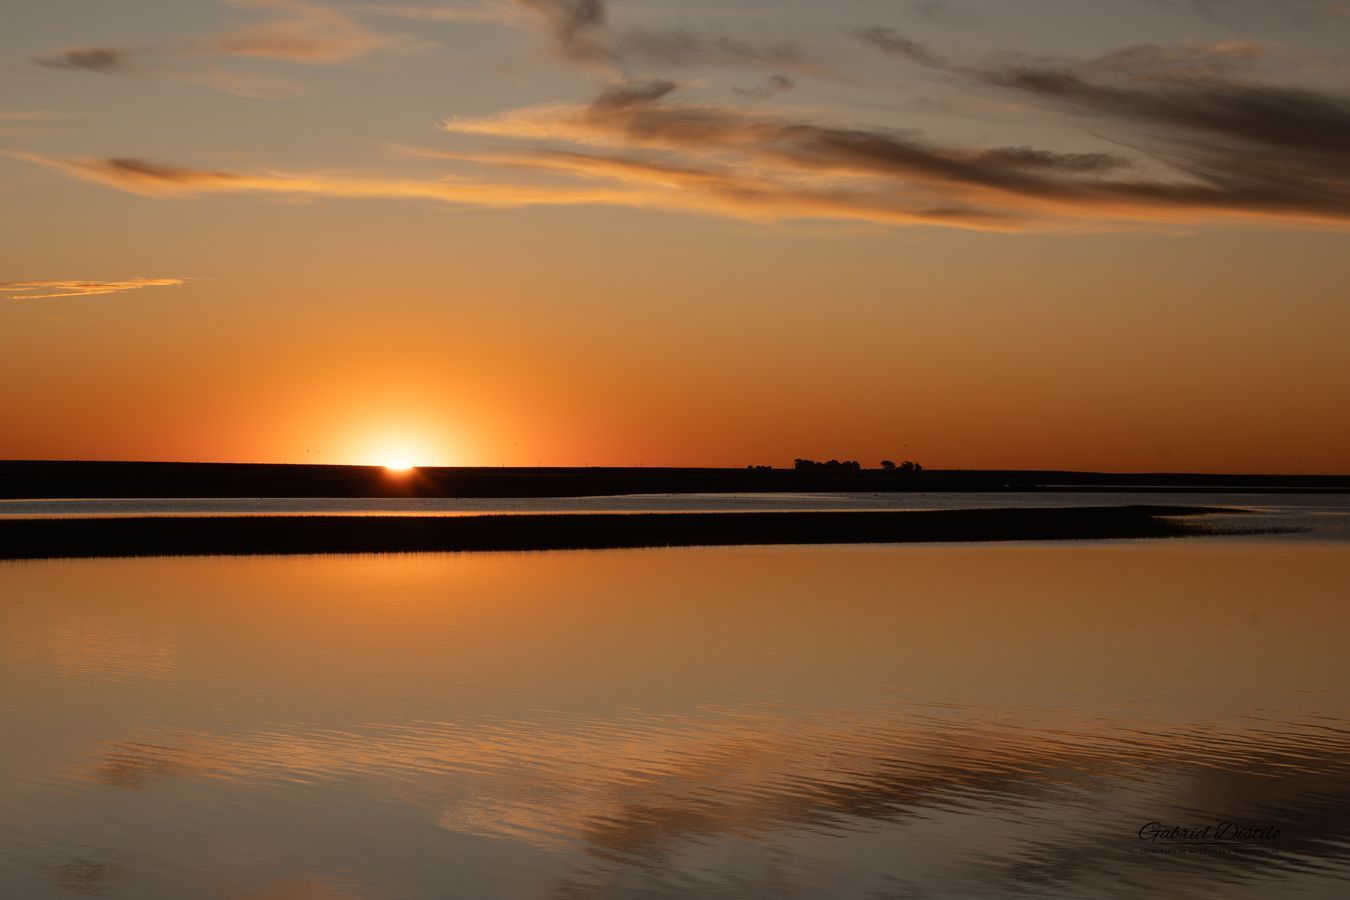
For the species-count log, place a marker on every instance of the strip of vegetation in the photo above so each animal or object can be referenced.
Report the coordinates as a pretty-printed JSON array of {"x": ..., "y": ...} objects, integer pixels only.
[{"x": 192, "y": 536}]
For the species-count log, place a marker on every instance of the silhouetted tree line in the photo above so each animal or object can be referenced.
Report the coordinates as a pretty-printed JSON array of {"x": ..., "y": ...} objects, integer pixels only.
[
  {"x": 838, "y": 467},
  {"x": 834, "y": 465}
]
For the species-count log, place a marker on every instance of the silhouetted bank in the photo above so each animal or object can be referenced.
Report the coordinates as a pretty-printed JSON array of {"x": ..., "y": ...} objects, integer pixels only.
[
  {"x": 51, "y": 480},
  {"x": 193, "y": 536}
]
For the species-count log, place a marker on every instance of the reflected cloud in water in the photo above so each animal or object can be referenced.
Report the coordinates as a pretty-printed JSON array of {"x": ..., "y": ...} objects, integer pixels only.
[
  {"x": 83, "y": 876},
  {"x": 813, "y": 722},
  {"x": 1058, "y": 801}
]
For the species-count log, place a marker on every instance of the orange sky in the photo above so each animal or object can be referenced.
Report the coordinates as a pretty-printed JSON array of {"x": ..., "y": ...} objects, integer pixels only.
[{"x": 493, "y": 234}]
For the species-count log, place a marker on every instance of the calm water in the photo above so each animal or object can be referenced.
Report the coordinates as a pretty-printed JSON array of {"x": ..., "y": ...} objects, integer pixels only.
[{"x": 880, "y": 721}]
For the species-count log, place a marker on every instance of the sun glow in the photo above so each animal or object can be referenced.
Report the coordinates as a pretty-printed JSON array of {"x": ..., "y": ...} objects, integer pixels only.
[{"x": 398, "y": 465}]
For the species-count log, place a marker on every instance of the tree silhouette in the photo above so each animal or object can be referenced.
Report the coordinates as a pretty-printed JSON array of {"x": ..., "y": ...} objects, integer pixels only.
[{"x": 834, "y": 466}]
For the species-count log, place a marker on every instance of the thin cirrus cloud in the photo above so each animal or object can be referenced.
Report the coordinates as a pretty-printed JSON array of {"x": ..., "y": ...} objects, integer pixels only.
[
  {"x": 298, "y": 32},
  {"x": 60, "y": 290}
]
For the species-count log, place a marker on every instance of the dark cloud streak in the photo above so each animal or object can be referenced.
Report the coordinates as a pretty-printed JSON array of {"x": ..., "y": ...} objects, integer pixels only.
[
  {"x": 296, "y": 32},
  {"x": 104, "y": 60},
  {"x": 774, "y": 84},
  {"x": 1235, "y": 144},
  {"x": 893, "y": 43},
  {"x": 578, "y": 27},
  {"x": 581, "y": 33}
]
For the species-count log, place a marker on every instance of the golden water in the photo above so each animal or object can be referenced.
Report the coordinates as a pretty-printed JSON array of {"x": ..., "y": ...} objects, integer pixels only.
[{"x": 882, "y": 721}]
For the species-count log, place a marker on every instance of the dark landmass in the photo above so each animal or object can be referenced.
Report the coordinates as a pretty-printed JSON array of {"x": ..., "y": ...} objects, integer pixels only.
[
  {"x": 52, "y": 480},
  {"x": 230, "y": 535}
]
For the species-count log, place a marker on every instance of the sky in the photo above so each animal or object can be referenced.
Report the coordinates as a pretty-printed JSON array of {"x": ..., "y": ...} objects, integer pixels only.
[{"x": 1074, "y": 234}]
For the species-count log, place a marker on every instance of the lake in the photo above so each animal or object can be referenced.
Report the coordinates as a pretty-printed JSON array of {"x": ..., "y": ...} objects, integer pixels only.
[{"x": 918, "y": 720}]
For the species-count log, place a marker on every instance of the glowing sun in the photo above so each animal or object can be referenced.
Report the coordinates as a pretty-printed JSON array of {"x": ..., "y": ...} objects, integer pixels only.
[{"x": 398, "y": 465}]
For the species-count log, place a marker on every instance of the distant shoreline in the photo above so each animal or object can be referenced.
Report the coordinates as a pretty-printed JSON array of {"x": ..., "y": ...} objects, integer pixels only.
[
  {"x": 91, "y": 480},
  {"x": 257, "y": 535}
]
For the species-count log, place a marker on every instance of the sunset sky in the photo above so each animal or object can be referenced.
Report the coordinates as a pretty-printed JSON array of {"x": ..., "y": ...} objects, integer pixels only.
[{"x": 1075, "y": 234}]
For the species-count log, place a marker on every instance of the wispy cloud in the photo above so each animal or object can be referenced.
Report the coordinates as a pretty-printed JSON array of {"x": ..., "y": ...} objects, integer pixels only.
[
  {"x": 1185, "y": 132},
  {"x": 581, "y": 32},
  {"x": 298, "y": 32},
  {"x": 105, "y": 60},
  {"x": 893, "y": 43},
  {"x": 1231, "y": 141},
  {"x": 641, "y": 183},
  {"x": 976, "y": 185},
  {"x": 763, "y": 194},
  {"x": 578, "y": 27},
  {"x": 936, "y": 12},
  {"x": 1303, "y": 12},
  {"x": 497, "y": 11},
  {"x": 636, "y": 144},
  {"x": 1187, "y": 61},
  {"x": 56, "y": 290},
  {"x": 155, "y": 179},
  {"x": 304, "y": 33},
  {"x": 772, "y": 86}
]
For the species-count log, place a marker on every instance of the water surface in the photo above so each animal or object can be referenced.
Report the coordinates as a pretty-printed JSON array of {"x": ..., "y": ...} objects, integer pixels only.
[{"x": 868, "y": 721}]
